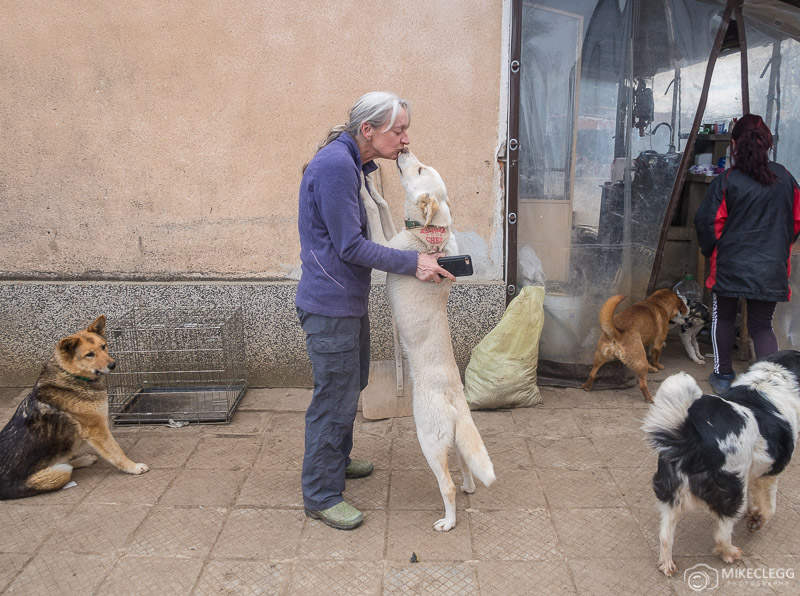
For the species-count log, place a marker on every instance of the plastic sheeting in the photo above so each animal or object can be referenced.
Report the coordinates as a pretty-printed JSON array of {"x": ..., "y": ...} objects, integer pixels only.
[{"x": 502, "y": 369}]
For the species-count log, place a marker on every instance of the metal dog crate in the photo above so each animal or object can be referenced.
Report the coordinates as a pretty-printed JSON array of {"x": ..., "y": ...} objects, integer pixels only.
[{"x": 179, "y": 363}]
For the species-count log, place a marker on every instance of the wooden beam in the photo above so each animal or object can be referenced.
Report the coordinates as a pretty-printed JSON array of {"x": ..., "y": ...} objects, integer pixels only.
[
  {"x": 737, "y": 12},
  {"x": 680, "y": 177}
]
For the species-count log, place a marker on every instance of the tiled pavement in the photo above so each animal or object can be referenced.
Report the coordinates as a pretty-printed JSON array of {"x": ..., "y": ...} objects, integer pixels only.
[{"x": 221, "y": 512}]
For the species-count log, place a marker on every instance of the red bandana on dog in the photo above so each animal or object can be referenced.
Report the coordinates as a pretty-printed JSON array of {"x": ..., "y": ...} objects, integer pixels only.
[{"x": 434, "y": 237}]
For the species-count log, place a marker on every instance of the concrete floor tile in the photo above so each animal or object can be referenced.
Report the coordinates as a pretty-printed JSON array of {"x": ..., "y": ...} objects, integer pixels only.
[
  {"x": 62, "y": 573},
  {"x": 364, "y": 543},
  {"x": 10, "y": 564},
  {"x": 276, "y": 399},
  {"x": 573, "y": 453},
  {"x": 272, "y": 488},
  {"x": 508, "y": 453},
  {"x": 600, "y": 422},
  {"x": 151, "y": 575},
  {"x": 281, "y": 452},
  {"x": 410, "y": 532},
  {"x": 407, "y": 455},
  {"x": 419, "y": 490},
  {"x": 166, "y": 450},
  {"x": 514, "y": 535},
  {"x": 209, "y": 488},
  {"x": 323, "y": 578},
  {"x": 260, "y": 534},
  {"x": 636, "y": 485},
  {"x": 379, "y": 428},
  {"x": 618, "y": 575},
  {"x": 371, "y": 492},
  {"x": 287, "y": 423},
  {"x": 142, "y": 489},
  {"x": 225, "y": 452},
  {"x": 243, "y": 578},
  {"x": 523, "y": 578},
  {"x": 25, "y": 527},
  {"x": 403, "y": 428},
  {"x": 431, "y": 579},
  {"x": 625, "y": 451},
  {"x": 377, "y": 449},
  {"x": 242, "y": 423},
  {"x": 514, "y": 489},
  {"x": 599, "y": 533},
  {"x": 579, "y": 488},
  {"x": 95, "y": 529},
  {"x": 495, "y": 423},
  {"x": 177, "y": 532},
  {"x": 542, "y": 423}
]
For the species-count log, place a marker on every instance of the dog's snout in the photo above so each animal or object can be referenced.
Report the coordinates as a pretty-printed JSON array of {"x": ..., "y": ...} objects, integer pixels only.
[{"x": 112, "y": 365}]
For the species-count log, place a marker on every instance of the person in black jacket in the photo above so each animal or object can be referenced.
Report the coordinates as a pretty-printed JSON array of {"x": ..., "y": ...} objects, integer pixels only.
[{"x": 746, "y": 226}]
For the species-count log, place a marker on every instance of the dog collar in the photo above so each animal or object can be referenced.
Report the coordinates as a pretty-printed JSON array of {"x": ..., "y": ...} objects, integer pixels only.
[
  {"x": 434, "y": 237},
  {"x": 87, "y": 379}
]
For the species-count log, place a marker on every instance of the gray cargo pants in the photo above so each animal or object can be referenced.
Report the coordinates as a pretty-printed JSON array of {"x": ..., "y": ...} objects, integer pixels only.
[{"x": 338, "y": 348}]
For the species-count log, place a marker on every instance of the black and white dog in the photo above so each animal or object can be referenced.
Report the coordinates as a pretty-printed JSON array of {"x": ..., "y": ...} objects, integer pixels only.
[
  {"x": 723, "y": 450},
  {"x": 690, "y": 325}
]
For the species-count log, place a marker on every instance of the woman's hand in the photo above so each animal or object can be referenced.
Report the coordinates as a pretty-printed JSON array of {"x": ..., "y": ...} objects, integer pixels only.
[{"x": 428, "y": 268}]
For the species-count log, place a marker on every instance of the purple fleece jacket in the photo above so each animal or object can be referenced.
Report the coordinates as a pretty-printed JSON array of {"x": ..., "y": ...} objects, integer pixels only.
[{"x": 337, "y": 259}]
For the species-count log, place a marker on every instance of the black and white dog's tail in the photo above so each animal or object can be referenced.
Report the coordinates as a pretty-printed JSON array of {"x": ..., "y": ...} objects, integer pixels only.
[{"x": 667, "y": 415}]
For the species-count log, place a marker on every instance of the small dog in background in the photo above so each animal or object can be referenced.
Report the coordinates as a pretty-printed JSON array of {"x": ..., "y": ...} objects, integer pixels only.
[
  {"x": 723, "y": 450},
  {"x": 689, "y": 325},
  {"x": 68, "y": 405},
  {"x": 627, "y": 336}
]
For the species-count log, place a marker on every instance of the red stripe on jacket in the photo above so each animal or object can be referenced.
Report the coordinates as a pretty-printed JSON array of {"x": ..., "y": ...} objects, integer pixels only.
[
  {"x": 719, "y": 223},
  {"x": 796, "y": 213}
]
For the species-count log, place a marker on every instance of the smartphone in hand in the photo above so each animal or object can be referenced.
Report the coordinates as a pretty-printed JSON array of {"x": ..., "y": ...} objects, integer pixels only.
[{"x": 458, "y": 265}]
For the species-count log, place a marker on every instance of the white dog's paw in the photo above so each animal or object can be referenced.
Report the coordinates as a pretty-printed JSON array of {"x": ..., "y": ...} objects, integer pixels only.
[
  {"x": 140, "y": 469},
  {"x": 444, "y": 525},
  {"x": 697, "y": 360},
  {"x": 468, "y": 487}
]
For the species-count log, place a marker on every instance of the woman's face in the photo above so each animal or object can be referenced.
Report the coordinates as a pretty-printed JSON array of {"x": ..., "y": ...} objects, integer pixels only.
[{"x": 388, "y": 144}]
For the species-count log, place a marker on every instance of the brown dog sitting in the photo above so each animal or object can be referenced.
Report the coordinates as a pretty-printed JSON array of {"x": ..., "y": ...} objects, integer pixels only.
[
  {"x": 67, "y": 406},
  {"x": 627, "y": 335}
]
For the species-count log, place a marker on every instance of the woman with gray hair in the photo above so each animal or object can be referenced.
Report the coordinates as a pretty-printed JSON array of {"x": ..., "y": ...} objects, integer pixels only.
[{"x": 332, "y": 295}]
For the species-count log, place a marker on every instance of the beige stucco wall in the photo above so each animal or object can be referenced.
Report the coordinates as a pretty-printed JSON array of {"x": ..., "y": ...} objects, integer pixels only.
[{"x": 160, "y": 140}]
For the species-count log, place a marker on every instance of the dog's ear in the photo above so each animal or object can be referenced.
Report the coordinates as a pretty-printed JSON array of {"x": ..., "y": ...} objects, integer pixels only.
[
  {"x": 68, "y": 345},
  {"x": 98, "y": 325},
  {"x": 429, "y": 206}
]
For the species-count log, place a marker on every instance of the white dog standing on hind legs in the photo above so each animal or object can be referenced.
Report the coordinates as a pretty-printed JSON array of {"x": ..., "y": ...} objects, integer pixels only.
[{"x": 441, "y": 413}]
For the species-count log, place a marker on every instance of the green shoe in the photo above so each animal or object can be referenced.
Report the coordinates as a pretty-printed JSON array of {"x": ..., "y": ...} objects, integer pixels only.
[
  {"x": 358, "y": 468},
  {"x": 341, "y": 516}
]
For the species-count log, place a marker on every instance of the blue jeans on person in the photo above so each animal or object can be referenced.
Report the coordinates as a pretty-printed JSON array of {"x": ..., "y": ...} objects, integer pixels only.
[{"x": 338, "y": 348}]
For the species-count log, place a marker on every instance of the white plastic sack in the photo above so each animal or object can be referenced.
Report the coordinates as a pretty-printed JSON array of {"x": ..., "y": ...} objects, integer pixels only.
[{"x": 502, "y": 368}]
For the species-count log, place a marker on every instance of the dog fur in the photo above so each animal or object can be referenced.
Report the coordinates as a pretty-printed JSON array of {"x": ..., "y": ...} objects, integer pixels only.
[
  {"x": 441, "y": 414},
  {"x": 627, "y": 335},
  {"x": 67, "y": 406},
  {"x": 689, "y": 325},
  {"x": 723, "y": 450}
]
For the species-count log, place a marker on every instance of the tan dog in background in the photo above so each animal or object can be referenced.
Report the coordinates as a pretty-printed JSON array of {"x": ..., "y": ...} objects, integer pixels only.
[
  {"x": 627, "y": 335},
  {"x": 67, "y": 406}
]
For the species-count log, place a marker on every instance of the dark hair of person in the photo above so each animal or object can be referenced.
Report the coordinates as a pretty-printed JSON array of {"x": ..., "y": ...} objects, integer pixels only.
[{"x": 750, "y": 154}]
